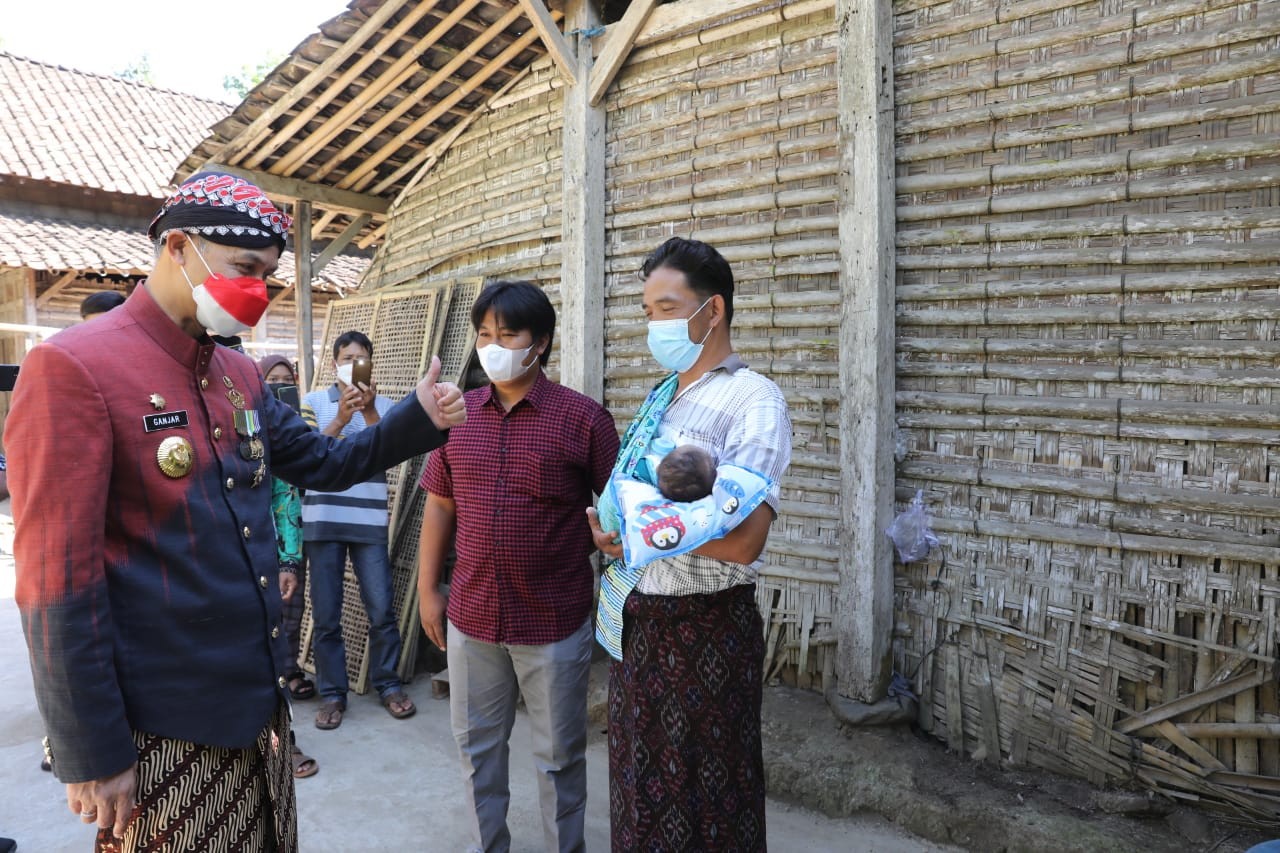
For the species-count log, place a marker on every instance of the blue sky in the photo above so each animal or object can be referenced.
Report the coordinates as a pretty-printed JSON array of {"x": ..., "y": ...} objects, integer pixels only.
[{"x": 190, "y": 46}]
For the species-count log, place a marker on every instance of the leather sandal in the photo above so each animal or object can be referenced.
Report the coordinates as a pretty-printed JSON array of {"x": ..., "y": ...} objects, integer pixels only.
[
  {"x": 398, "y": 704},
  {"x": 301, "y": 687},
  {"x": 303, "y": 765},
  {"x": 330, "y": 714}
]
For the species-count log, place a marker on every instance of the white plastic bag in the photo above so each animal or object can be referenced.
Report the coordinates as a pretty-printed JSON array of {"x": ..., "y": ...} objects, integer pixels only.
[{"x": 910, "y": 531}]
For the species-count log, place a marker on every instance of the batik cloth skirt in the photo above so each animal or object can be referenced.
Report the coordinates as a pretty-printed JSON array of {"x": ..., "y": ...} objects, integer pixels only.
[
  {"x": 205, "y": 799},
  {"x": 685, "y": 764}
]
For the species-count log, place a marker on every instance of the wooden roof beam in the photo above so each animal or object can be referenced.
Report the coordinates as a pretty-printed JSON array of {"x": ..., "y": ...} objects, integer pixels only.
[
  {"x": 618, "y": 48},
  {"x": 299, "y": 121},
  {"x": 293, "y": 190},
  {"x": 552, "y": 38},
  {"x": 257, "y": 129},
  {"x": 365, "y": 173},
  {"x": 419, "y": 94},
  {"x": 284, "y": 291},
  {"x": 378, "y": 88},
  {"x": 339, "y": 243},
  {"x": 322, "y": 223},
  {"x": 59, "y": 285},
  {"x": 373, "y": 236}
]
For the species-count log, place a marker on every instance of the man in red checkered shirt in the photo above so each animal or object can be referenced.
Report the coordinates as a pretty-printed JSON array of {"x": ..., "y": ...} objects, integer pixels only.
[{"x": 514, "y": 482}]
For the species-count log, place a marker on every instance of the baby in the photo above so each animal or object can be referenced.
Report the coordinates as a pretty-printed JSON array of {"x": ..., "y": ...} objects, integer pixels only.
[{"x": 687, "y": 473}]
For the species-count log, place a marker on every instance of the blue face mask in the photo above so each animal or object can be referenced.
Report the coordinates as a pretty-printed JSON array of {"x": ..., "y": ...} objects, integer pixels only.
[{"x": 669, "y": 342}]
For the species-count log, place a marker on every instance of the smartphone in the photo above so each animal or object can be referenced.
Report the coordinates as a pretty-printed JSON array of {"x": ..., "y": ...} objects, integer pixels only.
[
  {"x": 362, "y": 372},
  {"x": 8, "y": 376},
  {"x": 287, "y": 394}
]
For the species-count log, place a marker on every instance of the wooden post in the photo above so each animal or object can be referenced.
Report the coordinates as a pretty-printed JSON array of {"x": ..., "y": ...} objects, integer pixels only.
[
  {"x": 29, "y": 309},
  {"x": 302, "y": 282},
  {"x": 582, "y": 221},
  {"x": 864, "y": 613}
]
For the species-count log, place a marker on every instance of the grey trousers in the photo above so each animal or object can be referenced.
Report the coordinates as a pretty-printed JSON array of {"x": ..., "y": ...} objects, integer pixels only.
[{"x": 485, "y": 682}]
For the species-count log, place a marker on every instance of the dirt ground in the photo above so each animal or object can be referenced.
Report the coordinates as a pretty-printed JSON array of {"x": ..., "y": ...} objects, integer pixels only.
[{"x": 911, "y": 779}]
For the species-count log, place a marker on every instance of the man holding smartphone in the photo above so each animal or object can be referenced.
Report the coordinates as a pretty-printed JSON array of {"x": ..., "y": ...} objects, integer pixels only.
[{"x": 351, "y": 523}]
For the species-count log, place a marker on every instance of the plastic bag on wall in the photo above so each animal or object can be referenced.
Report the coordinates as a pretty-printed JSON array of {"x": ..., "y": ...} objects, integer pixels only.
[{"x": 910, "y": 531}]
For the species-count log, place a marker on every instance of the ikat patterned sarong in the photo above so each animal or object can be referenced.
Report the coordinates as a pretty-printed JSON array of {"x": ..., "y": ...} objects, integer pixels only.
[{"x": 685, "y": 765}]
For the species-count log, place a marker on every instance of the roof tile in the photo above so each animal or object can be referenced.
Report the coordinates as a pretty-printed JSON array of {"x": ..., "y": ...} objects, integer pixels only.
[
  {"x": 63, "y": 244},
  {"x": 53, "y": 118}
]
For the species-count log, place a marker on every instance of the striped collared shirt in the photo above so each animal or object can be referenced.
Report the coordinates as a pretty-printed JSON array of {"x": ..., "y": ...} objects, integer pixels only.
[
  {"x": 358, "y": 514},
  {"x": 741, "y": 418}
]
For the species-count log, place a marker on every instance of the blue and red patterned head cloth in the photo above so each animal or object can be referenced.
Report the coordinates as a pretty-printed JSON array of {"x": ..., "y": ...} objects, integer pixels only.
[{"x": 223, "y": 209}]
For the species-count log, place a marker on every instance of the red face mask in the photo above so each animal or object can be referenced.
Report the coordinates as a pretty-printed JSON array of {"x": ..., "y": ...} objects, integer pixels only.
[{"x": 224, "y": 305}]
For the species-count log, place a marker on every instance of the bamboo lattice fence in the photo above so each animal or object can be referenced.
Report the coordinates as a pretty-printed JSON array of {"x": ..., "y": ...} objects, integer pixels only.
[
  {"x": 1087, "y": 315},
  {"x": 407, "y": 327}
]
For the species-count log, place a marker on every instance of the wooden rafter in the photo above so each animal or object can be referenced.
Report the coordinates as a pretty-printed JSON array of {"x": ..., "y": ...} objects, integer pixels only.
[
  {"x": 545, "y": 25},
  {"x": 339, "y": 243},
  {"x": 284, "y": 291},
  {"x": 618, "y": 48},
  {"x": 380, "y": 87},
  {"x": 373, "y": 236},
  {"x": 291, "y": 189},
  {"x": 425, "y": 160},
  {"x": 322, "y": 222},
  {"x": 322, "y": 99},
  {"x": 260, "y": 127},
  {"x": 57, "y": 287},
  {"x": 364, "y": 174},
  {"x": 419, "y": 95}
]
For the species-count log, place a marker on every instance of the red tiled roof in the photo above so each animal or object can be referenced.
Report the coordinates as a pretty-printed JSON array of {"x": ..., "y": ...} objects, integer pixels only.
[
  {"x": 45, "y": 243},
  {"x": 94, "y": 131}
]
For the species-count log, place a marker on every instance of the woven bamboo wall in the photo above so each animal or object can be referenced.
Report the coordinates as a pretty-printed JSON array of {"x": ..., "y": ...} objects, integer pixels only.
[
  {"x": 491, "y": 207},
  {"x": 1087, "y": 352},
  {"x": 728, "y": 136}
]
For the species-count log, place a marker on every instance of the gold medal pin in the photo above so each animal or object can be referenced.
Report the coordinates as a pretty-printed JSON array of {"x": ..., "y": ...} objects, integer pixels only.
[{"x": 174, "y": 457}]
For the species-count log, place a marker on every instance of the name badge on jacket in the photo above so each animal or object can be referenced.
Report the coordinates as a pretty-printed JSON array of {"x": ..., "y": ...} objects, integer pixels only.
[{"x": 164, "y": 420}]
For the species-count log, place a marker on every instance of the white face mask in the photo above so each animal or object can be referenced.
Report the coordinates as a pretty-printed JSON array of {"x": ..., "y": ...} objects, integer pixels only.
[
  {"x": 502, "y": 365},
  {"x": 345, "y": 373}
]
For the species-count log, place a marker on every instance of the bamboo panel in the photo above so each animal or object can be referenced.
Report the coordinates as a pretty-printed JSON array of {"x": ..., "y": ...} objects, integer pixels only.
[
  {"x": 406, "y": 327},
  {"x": 1086, "y": 355}
]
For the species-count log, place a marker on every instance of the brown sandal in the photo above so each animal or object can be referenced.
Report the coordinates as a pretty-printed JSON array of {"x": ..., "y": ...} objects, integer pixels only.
[
  {"x": 399, "y": 705},
  {"x": 303, "y": 765},
  {"x": 330, "y": 714}
]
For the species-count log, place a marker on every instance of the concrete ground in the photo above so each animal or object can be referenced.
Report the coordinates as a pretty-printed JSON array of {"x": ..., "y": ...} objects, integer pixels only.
[
  {"x": 393, "y": 785},
  {"x": 383, "y": 784}
]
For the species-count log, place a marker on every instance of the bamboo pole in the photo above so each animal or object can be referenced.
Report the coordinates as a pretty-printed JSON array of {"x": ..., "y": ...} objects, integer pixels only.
[
  {"x": 420, "y": 94},
  {"x": 289, "y": 162},
  {"x": 1143, "y": 121},
  {"x": 1100, "y": 96},
  {"x": 364, "y": 174},
  {"x": 257, "y": 129},
  {"x": 1146, "y": 50}
]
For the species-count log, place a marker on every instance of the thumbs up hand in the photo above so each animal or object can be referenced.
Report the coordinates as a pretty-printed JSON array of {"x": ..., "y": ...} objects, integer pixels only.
[{"x": 442, "y": 401}]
